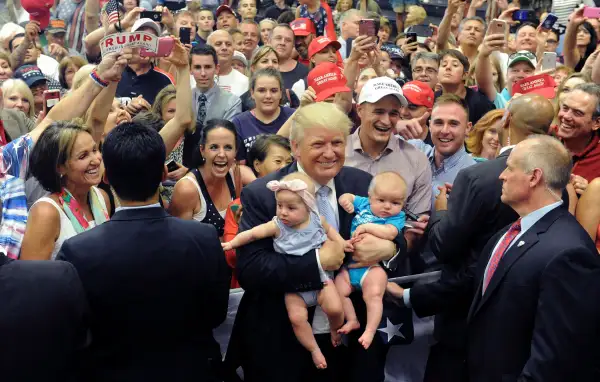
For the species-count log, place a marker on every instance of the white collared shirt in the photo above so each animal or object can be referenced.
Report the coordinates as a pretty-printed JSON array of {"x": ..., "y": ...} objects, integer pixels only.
[{"x": 137, "y": 207}]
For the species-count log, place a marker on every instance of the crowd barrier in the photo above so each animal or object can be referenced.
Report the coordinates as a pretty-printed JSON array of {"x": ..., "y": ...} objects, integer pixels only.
[{"x": 405, "y": 363}]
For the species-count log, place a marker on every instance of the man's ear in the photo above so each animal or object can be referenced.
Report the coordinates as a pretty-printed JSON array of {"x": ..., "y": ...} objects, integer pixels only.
[
  {"x": 596, "y": 124},
  {"x": 469, "y": 128}
]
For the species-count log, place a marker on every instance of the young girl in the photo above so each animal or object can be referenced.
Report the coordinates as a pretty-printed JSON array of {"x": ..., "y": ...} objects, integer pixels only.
[
  {"x": 295, "y": 230},
  {"x": 380, "y": 215}
]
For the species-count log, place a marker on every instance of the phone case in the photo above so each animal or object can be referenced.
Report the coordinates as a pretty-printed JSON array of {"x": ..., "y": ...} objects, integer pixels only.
[
  {"x": 498, "y": 27},
  {"x": 549, "y": 61},
  {"x": 591, "y": 12},
  {"x": 367, "y": 27},
  {"x": 165, "y": 46},
  {"x": 549, "y": 21}
]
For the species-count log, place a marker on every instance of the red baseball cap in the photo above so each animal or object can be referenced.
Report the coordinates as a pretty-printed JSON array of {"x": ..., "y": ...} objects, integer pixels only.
[
  {"x": 542, "y": 84},
  {"x": 418, "y": 93},
  {"x": 224, "y": 8},
  {"x": 303, "y": 27},
  {"x": 39, "y": 10},
  {"x": 326, "y": 79},
  {"x": 320, "y": 43}
]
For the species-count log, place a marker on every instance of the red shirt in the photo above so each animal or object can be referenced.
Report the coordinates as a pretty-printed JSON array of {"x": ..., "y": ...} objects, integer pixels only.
[{"x": 587, "y": 162}]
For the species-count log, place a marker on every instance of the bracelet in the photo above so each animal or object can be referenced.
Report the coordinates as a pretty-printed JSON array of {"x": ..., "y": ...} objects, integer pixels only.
[{"x": 99, "y": 81}]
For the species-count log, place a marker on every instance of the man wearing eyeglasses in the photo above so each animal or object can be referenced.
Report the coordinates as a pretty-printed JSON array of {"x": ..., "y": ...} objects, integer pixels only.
[{"x": 424, "y": 66}]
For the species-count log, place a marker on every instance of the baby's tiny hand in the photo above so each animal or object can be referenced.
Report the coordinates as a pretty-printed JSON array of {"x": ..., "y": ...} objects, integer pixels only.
[
  {"x": 227, "y": 246},
  {"x": 348, "y": 247},
  {"x": 346, "y": 203}
]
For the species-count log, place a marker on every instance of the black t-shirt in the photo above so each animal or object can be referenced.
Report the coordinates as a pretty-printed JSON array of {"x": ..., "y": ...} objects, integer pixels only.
[
  {"x": 478, "y": 104},
  {"x": 293, "y": 76}
]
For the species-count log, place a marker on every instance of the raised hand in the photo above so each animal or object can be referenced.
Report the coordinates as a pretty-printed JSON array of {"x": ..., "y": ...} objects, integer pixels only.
[
  {"x": 32, "y": 30},
  {"x": 362, "y": 45},
  {"x": 412, "y": 128},
  {"x": 179, "y": 55},
  {"x": 112, "y": 65},
  {"x": 492, "y": 43},
  {"x": 507, "y": 15},
  {"x": 577, "y": 18},
  {"x": 308, "y": 97}
]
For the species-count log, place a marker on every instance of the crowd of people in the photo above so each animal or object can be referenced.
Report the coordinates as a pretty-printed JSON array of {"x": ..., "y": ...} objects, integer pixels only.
[{"x": 306, "y": 152}]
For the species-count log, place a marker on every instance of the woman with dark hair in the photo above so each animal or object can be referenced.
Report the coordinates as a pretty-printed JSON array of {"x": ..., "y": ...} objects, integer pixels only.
[
  {"x": 66, "y": 161},
  {"x": 268, "y": 154},
  {"x": 580, "y": 41},
  {"x": 206, "y": 191},
  {"x": 67, "y": 68},
  {"x": 266, "y": 88}
]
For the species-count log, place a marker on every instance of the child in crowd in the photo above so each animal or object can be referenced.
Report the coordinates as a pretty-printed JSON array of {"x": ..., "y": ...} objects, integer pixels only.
[
  {"x": 380, "y": 215},
  {"x": 295, "y": 230}
]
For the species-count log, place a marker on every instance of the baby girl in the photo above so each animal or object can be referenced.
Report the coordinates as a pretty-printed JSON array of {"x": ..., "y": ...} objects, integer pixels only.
[{"x": 295, "y": 230}]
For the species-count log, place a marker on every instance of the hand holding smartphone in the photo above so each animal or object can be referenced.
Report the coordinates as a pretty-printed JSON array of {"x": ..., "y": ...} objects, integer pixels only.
[
  {"x": 152, "y": 15},
  {"x": 165, "y": 46},
  {"x": 51, "y": 98},
  {"x": 549, "y": 61},
  {"x": 549, "y": 21},
  {"x": 366, "y": 27},
  {"x": 411, "y": 37},
  {"x": 498, "y": 27},
  {"x": 185, "y": 35}
]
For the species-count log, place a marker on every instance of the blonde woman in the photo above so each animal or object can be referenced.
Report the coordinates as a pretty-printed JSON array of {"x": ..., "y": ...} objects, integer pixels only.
[
  {"x": 17, "y": 95},
  {"x": 267, "y": 57},
  {"x": 266, "y": 27}
]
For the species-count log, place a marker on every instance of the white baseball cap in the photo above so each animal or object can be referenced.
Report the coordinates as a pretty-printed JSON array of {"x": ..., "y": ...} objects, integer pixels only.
[
  {"x": 237, "y": 55},
  {"x": 377, "y": 88},
  {"x": 146, "y": 22}
]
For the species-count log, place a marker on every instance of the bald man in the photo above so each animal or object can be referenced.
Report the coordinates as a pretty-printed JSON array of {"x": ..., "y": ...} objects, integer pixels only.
[
  {"x": 229, "y": 79},
  {"x": 459, "y": 229}
]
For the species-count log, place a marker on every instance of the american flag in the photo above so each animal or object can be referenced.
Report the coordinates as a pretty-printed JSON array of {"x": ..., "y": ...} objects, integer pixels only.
[{"x": 112, "y": 9}]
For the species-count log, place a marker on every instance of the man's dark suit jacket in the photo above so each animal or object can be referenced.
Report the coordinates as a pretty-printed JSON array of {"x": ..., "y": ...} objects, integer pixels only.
[
  {"x": 44, "y": 320},
  {"x": 157, "y": 286},
  {"x": 539, "y": 319},
  {"x": 457, "y": 236},
  {"x": 263, "y": 341}
]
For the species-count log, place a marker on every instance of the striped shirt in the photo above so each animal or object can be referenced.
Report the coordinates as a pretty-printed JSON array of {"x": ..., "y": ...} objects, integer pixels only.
[{"x": 562, "y": 9}]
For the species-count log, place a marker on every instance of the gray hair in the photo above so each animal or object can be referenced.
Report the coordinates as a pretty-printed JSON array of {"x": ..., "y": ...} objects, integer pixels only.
[
  {"x": 350, "y": 13},
  {"x": 213, "y": 33},
  {"x": 593, "y": 90},
  {"x": 427, "y": 56},
  {"x": 472, "y": 18},
  {"x": 549, "y": 155}
]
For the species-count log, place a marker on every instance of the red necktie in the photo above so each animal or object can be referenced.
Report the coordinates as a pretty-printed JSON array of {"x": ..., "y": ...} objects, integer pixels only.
[{"x": 513, "y": 231}]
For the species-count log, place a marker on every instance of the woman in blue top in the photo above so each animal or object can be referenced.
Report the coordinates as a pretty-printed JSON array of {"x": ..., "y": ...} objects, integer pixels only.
[{"x": 266, "y": 88}]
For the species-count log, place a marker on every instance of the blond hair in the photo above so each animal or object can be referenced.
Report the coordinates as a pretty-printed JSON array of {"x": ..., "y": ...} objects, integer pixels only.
[
  {"x": 11, "y": 86},
  {"x": 319, "y": 114},
  {"x": 387, "y": 177}
]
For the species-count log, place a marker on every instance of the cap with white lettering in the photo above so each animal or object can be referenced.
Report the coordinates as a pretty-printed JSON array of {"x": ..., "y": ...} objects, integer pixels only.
[{"x": 377, "y": 88}]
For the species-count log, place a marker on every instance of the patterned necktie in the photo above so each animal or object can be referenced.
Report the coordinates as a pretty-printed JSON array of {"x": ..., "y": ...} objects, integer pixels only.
[
  {"x": 325, "y": 209},
  {"x": 512, "y": 232},
  {"x": 201, "y": 109}
]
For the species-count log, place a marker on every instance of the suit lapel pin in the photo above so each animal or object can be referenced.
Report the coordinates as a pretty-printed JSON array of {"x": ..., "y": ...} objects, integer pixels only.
[{"x": 520, "y": 243}]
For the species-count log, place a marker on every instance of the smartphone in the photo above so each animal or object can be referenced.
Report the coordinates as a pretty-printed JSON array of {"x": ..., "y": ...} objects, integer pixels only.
[
  {"x": 185, "y": 35},
  {"x": 152, "y": 15},
  {"x": 165, "y": 46},
  {"x": 549, "y": 61},
  {"x": 51, "y": 98},
  {"x": 411, "y": 37},
  {"x": 366, "y": 27},
  {"x": 421, "y": 30},
  {"x": 172, "y": 166},
  {"x": 549, "y": 21},
  {"x": 523, "y": 15},
  {"x": 591, "y": 12},
  {"x": 498, "y": 27}
]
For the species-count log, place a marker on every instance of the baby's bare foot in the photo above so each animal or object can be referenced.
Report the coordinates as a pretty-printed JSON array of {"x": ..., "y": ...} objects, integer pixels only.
[
  {"x": 366, "y": 339},
  {"x": 348, "y": 327}
]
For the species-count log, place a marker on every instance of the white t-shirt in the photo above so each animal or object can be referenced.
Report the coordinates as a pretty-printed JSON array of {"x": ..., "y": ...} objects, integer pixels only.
[
  {"x": 234, "y": 82},
  {"x": 48, "y": 66}
]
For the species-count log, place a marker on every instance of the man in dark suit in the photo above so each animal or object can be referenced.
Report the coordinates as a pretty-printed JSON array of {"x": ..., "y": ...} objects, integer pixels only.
[
  {"x": 263, "y": 342},
  {"x": 43, "y": 320},
  {"x": 157, "y": 285},
  {"x": 459, "y": 231},
  {"x": 535, "y": 315}
]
